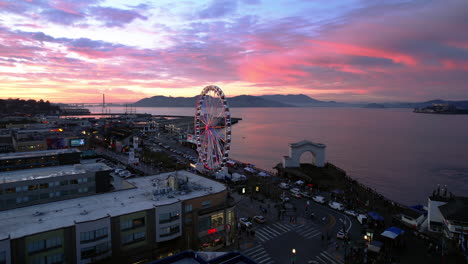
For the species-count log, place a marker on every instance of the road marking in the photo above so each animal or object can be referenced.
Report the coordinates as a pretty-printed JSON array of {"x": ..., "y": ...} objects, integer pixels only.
[
  {"x": 330, "y": 257},
  {"x": 260, "y": 255},
  {"x": 261, "y": 237},
  {"x": 282, "y": 227},
  {"x": 266, "y": 234},
  {"x": 253, "y": 249},
  {"x": 273, "y": 230}
]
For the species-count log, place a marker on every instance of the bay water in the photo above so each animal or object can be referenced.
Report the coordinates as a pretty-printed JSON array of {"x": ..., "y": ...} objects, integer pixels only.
[{"x": 401, "y": 154}]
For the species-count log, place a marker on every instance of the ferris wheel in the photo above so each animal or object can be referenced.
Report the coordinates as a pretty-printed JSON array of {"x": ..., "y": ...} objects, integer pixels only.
[{"x": 212, "y": 128}]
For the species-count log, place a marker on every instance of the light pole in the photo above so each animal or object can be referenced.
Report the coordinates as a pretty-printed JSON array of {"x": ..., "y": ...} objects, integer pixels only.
[{"x": 293, "y": 258}]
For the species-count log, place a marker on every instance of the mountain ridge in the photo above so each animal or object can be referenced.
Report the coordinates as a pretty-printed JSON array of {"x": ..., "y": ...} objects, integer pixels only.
[{"x": 289, "y": 100}]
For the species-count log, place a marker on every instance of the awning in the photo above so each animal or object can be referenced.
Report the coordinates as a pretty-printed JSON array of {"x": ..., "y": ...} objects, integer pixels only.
[
  {"x": 376, "y": 216},
  {"x": 392, "y": 232}
]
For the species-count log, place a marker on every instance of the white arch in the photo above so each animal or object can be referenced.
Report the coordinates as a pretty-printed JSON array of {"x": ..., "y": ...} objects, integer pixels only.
[{"x": 296, "y": 150}]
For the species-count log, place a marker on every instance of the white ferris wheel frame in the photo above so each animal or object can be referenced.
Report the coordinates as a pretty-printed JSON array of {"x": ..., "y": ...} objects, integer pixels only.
[{"x": 213, "y": 140}]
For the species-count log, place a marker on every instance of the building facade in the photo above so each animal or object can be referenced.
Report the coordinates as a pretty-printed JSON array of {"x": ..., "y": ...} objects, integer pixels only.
[{"x": 162, "y": 215}]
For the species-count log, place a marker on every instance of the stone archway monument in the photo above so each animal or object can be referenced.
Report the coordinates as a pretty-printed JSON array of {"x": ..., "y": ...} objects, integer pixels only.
[{"x": 296, "y": 150}]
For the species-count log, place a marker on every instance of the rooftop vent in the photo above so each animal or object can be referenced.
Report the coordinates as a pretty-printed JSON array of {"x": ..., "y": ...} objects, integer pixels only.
[{"x": 37, "y": 213}]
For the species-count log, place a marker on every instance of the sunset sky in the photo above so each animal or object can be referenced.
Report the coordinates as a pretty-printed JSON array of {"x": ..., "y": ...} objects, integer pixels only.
[{"x": 343, "y": 50}]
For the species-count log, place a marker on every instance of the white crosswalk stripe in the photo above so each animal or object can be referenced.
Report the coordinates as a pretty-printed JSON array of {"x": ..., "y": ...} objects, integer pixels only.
[
  {"x": 259, "y": 254},
  {"x": 326, "y": 258},
  {"x": 269, "y": 232},
  {"x": 281, "y": 227}
]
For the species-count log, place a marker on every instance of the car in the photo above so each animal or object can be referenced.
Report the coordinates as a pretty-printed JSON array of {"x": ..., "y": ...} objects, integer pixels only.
[
  {"x": 351, "y": 213},
  {"x": 305, "y": 194},
  {"x": 284, "y": 198},
  {"x": 341, "y": 235},
  {"x": 319, "y": 199},
  {"x": 336, "y": 206},
  {"x": 284, "y": 185},
  {"x": 259, "y": 219},
  {"x": 296, "y": 194},
  {"x": 125, "y": 173},
  {"x": 244, "y": 222}
]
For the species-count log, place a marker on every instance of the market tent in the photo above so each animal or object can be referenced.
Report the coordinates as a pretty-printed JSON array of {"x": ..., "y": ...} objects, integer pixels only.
[
  {"x": 263, "y": 174},
  {"x": 249, "y": 169},
  {"x": 375, "y": 216},
  {"x": 392, "y": 232},
  {"x": 299, "y": 182}
]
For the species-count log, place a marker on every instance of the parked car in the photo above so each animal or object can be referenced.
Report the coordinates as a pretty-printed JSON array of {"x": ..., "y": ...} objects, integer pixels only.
[
  {"x": 319, "y": 199},
  {"x": 336, "y": 206},
  {"x": 259, "y": 219},
  {"x": 351, "y": 213},
  {"x": 341, "y": 235},
  {"x": 284, "y": 185},
  {"x": 305, "y": 194},
  {"x": 244, "y": 222},
  {"x": 284, "y": 198}
]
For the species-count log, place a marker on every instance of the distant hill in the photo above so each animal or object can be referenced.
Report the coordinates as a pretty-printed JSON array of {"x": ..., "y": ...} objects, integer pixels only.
[
  {"x": 236, "y": 101},
  {"x": 290, "y": 100},
  {"x": 300, "y": 100}
]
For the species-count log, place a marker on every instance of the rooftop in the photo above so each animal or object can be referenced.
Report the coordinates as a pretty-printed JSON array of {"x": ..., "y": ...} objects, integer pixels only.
[
  {"x": 19, "y": 155},
  {"x": 49, "y": 172},
  {"x": 55, "y": 215}
]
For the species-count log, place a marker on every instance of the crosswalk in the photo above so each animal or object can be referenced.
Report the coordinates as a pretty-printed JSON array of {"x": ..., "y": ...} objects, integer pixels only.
[
  {"x": 327, "y": 258},
  {"x": 266, "y": 233},
  {"x": 259, "y": 254}
]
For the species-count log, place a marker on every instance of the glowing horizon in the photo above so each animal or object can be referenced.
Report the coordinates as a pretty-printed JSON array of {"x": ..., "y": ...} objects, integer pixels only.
[{"x": 348, "y": 51}]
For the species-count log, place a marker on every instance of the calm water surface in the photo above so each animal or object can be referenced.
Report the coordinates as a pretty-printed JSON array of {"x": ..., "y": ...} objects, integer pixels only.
[{"x": 401, "y": 154}]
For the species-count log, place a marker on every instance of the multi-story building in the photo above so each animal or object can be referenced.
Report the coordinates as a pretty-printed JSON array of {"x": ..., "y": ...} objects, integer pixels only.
[
  {"x": 448, "y": 214},
  {"x": 159, "y": 216},
  {"x": 41, "y": 185},
  {"x": 38, "y": 159}
]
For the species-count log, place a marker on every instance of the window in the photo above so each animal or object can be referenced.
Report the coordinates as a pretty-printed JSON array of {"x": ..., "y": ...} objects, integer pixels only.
[
  {"x": 10, "y": 190},
  {"x": 83, "y": 190},
  {"x": 21, "y": 188},
  {"x": 74, "y": 181},
  {"x": 63, "y": 183},
  {"x": 93, "y": 235},
  {"x": 55, "y": 259},
  {"x": 94, "y": 250},
  {"x": 206, "y": 204},
  {"x": 44, "y": 185},
  {"x": 170, "y": 230},
  {"x": 82, "y": 180},
  {"x": 169, "y": 217},
  {"x": 44, "y": 195},
  {"x": 134, "y": 237},
  {"x": 132, "y": 223},
  {"x": 188, "y": 208},
  {"x": 33, "y": 187},
  {"x": 24, "y": 199},
  {"x": 217, "y": 220}
]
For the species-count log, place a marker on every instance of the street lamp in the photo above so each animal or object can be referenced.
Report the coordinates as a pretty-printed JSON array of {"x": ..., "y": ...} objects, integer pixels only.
[{"x": 293, "y": 259}]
